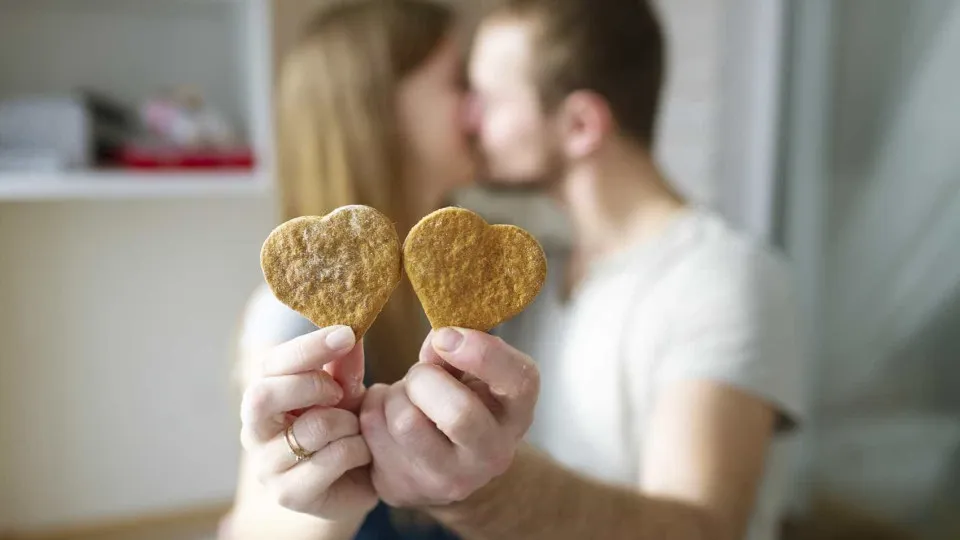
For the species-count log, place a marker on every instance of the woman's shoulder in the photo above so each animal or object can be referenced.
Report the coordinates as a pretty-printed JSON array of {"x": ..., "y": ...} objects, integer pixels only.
[{"x": 267, "y": 321}]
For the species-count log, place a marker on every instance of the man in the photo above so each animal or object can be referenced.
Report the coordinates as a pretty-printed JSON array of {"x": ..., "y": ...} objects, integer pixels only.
[
  {"x": 669, "y": 360},
  {"x": 665, "y": 344}
]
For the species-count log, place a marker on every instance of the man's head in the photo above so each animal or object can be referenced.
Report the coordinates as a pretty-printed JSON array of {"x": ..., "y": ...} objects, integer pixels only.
[{"x": 557, "y": 80}]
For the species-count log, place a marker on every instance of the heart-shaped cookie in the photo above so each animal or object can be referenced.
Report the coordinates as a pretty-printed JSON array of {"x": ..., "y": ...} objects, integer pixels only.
[
  {"x": 336, "y": 269},
  {"x": 470, "y": 274}
]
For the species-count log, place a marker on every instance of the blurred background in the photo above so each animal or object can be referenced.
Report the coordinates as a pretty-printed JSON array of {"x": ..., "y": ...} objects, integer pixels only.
[{"x": 136, "y": 191}]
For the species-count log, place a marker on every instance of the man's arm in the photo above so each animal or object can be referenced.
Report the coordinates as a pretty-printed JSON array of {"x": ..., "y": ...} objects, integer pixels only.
[
  {"x": 702, "y": 466},
  {"x": 450, "y": 443}
]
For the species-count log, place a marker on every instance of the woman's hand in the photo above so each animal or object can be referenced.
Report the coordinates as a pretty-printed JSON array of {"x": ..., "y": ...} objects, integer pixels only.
[{"x": 312, "y": 385}]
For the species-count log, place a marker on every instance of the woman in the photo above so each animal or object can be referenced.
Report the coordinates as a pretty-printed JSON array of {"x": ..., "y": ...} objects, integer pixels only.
[{"x": 369, "y": 110}]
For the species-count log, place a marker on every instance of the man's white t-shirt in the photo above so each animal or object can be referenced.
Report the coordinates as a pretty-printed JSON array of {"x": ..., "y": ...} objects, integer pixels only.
[{"x": 697, "y": 302}]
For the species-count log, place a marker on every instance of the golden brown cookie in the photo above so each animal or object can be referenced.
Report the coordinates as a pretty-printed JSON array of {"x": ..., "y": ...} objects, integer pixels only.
[
  {"x": 338, "y": 269},
  {"x": 470, "y": 274}
]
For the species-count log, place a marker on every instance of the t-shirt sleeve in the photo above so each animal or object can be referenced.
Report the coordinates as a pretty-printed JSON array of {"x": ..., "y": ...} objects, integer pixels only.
[
  {"x": 736, "y": 322},
  {"x": 266, "y": 322}
]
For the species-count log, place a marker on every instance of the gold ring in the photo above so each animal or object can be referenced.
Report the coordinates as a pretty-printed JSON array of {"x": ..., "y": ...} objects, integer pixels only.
[{"x": 298, "y": 452}]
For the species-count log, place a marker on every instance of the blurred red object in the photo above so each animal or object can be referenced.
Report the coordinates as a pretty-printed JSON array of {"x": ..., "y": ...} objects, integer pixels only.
[{"x": 136, "y": 157}]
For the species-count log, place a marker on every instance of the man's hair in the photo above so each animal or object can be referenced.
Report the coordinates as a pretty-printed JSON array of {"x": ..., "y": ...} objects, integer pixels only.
[{"x": 612, "y": 47}]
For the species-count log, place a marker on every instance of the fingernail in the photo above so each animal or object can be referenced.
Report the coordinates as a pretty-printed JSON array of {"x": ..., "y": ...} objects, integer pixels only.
[
  {"x": 341, "y": 338},
  {"x": 447, "y": 339}
]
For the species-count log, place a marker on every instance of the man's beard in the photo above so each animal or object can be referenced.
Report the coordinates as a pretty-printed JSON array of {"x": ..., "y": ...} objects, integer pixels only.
[{"x": 547, "y": 180}]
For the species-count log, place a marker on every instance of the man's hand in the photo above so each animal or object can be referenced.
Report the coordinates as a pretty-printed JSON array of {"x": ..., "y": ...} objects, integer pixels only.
[{"x": 453, "y": 423}]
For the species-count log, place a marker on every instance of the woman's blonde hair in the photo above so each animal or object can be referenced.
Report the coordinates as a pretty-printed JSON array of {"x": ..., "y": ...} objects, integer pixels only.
[{"x": 338, "y": 139}]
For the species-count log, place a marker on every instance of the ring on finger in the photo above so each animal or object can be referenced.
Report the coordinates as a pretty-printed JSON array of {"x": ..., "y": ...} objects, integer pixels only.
[{"x": 298, "y": 452}]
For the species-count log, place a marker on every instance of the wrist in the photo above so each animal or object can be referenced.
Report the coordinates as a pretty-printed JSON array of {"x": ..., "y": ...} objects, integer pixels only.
[
  {"x": 349, "y": 523},
  {"x": 480, "y": 506},
  {"x": 276, "y": 522},
  {"x": 341, "y": 528}
]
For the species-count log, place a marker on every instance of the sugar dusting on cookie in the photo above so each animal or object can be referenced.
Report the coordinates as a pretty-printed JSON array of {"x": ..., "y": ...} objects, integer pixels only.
[{"x": 338, "y": 269}]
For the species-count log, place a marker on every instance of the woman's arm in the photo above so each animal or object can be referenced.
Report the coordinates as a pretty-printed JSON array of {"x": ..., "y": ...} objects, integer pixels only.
[{"x": 256, "y": 516}]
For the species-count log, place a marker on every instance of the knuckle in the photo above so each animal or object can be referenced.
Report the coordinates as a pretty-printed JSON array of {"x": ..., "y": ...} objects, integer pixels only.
[
  {"x": 461, "y": 421},
  {"x": 256, "y": 402},
  {"x": 369, "y": 413},
  {"x": 317, "y": 429},
  {"x": 367, "y": 420},
  {"x": 483, "y": 346},
  {"x": 337, "y": 452},
  {"x": 529, "y": 380},
  {"x": 499, "y": 462},
  {"x": 488, "y": 464},
  {"x": 299, "y": 353},
  {"x": 343, "y": 423},
  {"x": 287, "y": 499},
  {"x": 435, "y": 484},
  {"x": 357, "y": 451},
  {"x": 353, "y": 423},
  {"x": 459, "y": 488},
  {"x": 363, "y": 456},
  {"x": 321, "y": 384},
  {"x": 347, "y": 453},
  {"x": 406, "y": 422}
]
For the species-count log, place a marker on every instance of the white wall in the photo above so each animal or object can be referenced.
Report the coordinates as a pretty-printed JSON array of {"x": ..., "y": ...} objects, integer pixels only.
[
  {"x": 115, "y": 333},
  {"x": 687, "y": 138},
  {"x": 209, "y": 34},
  {"x": 751, "y": 77}
]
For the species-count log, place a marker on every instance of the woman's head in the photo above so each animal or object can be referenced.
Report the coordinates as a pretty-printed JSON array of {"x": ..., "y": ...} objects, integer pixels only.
[{"x": 369, "y": 110}]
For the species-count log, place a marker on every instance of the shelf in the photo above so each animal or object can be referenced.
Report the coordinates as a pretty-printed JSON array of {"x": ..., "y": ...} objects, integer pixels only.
[{"x": 99, "y": 185}]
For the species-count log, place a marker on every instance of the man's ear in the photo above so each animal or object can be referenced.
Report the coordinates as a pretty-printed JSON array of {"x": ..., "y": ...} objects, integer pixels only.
[{"x": 585, "y": 121}]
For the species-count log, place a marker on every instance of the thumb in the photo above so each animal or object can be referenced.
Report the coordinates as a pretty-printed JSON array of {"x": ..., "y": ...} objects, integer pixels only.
[
  {"x": 348, "y": 372},
  {"x": 428, "y": 355}
]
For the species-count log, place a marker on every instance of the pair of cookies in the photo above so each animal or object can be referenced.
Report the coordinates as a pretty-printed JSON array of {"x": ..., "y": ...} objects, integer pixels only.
[{"x": 343, "y": 267}]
